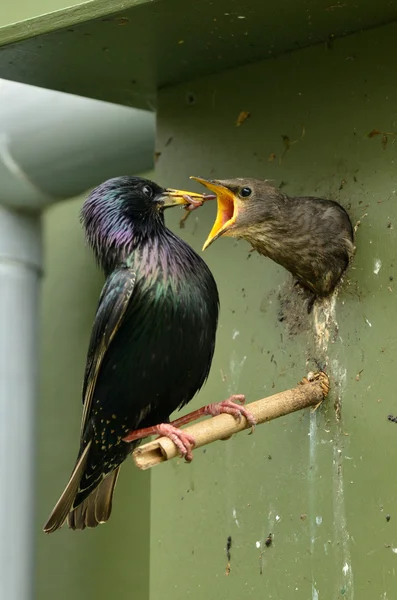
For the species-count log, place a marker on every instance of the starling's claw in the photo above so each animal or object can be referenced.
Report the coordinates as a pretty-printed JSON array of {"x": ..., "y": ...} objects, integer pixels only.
[
  {"x": 230, "y": 407},
  {"x": 182, "y": 440}
]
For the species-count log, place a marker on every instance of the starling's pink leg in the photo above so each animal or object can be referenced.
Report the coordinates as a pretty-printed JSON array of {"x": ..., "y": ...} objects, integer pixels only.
[
  {"x": 228, "y": 406},
  {"x": 183, "y": 441}
]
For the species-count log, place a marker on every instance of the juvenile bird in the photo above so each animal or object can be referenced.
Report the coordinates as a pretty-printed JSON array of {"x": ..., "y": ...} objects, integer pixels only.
[
  {"x": 151, "y": 345},
  {"x": 310, "y": 237}
]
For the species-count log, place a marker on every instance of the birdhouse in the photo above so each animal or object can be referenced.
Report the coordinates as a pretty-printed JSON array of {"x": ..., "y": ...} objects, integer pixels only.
[{"x": 302, "y": 95}]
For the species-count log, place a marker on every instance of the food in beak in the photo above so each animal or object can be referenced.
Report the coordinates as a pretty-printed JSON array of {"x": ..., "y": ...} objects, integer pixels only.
[{"x": 190, "y": 200}]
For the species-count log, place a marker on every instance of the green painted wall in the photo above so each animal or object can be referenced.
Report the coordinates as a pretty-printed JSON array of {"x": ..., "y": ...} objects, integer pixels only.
[
  {"x": 322, "y": 486},
  {"x": 107, "y": 562}
]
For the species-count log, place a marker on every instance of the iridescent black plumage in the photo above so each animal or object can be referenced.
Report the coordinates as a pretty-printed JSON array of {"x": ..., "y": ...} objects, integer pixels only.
[{"x": 152, "y": 341}]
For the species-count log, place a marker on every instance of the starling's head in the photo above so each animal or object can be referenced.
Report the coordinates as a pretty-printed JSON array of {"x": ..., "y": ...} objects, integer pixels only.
[
  {"x": 123, "y": 211},
  {"x": 242, "y": 204}
]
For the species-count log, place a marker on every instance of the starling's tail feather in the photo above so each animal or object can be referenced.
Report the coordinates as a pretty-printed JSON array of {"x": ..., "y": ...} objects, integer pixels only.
[
  {"x": 96, "y": 508},
  {"x": 65, "y": 502}
]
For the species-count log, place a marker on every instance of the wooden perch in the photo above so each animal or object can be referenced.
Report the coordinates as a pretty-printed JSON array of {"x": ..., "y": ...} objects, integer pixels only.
[{"x": 310, "y": 392}]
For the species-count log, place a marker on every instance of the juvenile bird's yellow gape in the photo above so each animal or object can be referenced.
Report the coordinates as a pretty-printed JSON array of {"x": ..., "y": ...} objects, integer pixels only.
[
  {"x": 227, "y": 210},
  {"x": 310, "y": 237}
]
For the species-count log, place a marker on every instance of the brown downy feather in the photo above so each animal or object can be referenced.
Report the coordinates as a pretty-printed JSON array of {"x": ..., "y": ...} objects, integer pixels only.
[
  {"x": 65, "y": 502},
  {"x": 95, "y": 509}
]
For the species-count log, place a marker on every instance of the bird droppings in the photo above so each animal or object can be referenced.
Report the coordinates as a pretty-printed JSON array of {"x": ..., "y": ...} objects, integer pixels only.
[
  {"x": 377, "y": 266},
  {"x": 258, "y": 544},
  {"x": 326, "y": 331},
  {"x": 287, "y": 143},
  {"x": 319, "y": 520},
  {"x": 325, "y": 322},
  {"x": 359, "y": 375},
  {"x": 242, "y": 117},
  {"x": 235, "y": 517},
  {"x": 236, "y": 333},
  {"x": 292, "y": 310},
  {"x": 384, "y": 136},
  {"x": 278, "y": 518},
  {"x": 368, "y": 323},
  {"x": 228, "y": 554}
]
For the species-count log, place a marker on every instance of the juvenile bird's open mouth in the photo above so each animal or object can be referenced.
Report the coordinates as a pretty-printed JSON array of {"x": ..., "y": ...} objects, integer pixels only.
[{"x": 227, "y": 209}]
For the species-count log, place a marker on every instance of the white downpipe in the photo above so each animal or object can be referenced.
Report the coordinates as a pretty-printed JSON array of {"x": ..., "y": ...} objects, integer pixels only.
[
  {"x": 52, "y": 146},
  {"x": 55, "y": 146},
  {"x": 20, "y": 271}
]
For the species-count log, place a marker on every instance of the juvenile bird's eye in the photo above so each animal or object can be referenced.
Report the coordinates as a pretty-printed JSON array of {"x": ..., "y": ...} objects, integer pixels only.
[
  {"x": 147, "y": 191},
  {"x": 246, "y": 191}
]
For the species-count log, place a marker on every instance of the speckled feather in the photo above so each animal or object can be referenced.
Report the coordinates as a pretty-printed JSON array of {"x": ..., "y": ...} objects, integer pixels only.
[{"x": 152, "y": 341}]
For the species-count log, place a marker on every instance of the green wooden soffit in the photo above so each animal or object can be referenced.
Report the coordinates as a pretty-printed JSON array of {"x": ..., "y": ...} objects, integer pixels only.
[{"x": 124, "y": 51}]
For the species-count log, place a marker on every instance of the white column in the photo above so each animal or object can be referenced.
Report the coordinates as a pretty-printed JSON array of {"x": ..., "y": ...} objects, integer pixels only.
[{"x": 20, "y": 272}]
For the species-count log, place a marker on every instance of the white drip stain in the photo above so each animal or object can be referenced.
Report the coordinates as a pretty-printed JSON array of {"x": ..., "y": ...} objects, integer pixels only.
[
  {"x": 377, "y": 266},
  {"x": 236, "y": 366},
  {"x": 342, "y": 537},
  {"x": 312, "y": 476},
  {"x": 346, "y": 569},
  {"x": 324, "y": 321},
  {"x": 235, "y": 370},
  {"x": 325, "y": 327},
  {"x": 235, "y": 517}
]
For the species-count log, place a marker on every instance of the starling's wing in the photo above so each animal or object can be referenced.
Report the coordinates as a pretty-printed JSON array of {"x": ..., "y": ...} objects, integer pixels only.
[
  {"x": 113, "y": 302},
  {"x": 112, "y": 306}
]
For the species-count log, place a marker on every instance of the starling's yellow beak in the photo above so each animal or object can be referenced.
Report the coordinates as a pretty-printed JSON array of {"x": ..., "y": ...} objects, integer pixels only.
[
  {"x": 173, "y": 197},
  {"x": 227, "y": 209}
]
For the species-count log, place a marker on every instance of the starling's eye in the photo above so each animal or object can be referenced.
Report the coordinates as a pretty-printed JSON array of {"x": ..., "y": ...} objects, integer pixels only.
[
  {"x": 245, "y": 192},
  {"x": 147, "y": 191}
]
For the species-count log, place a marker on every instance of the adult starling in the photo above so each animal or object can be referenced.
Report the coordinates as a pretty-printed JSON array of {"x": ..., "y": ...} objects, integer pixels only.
[
  {"x": 152, "y": 340},
  {"x": 310, "y": 237}
]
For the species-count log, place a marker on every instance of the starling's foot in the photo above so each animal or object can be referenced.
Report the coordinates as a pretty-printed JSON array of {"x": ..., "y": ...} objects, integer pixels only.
[
  {"x": 182, "y": 440},
  {"x": 230, "y": 407}
]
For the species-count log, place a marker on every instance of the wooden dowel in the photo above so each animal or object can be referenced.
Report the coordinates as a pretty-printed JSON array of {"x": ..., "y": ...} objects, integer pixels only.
[{"x": 310, "y": 392}]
